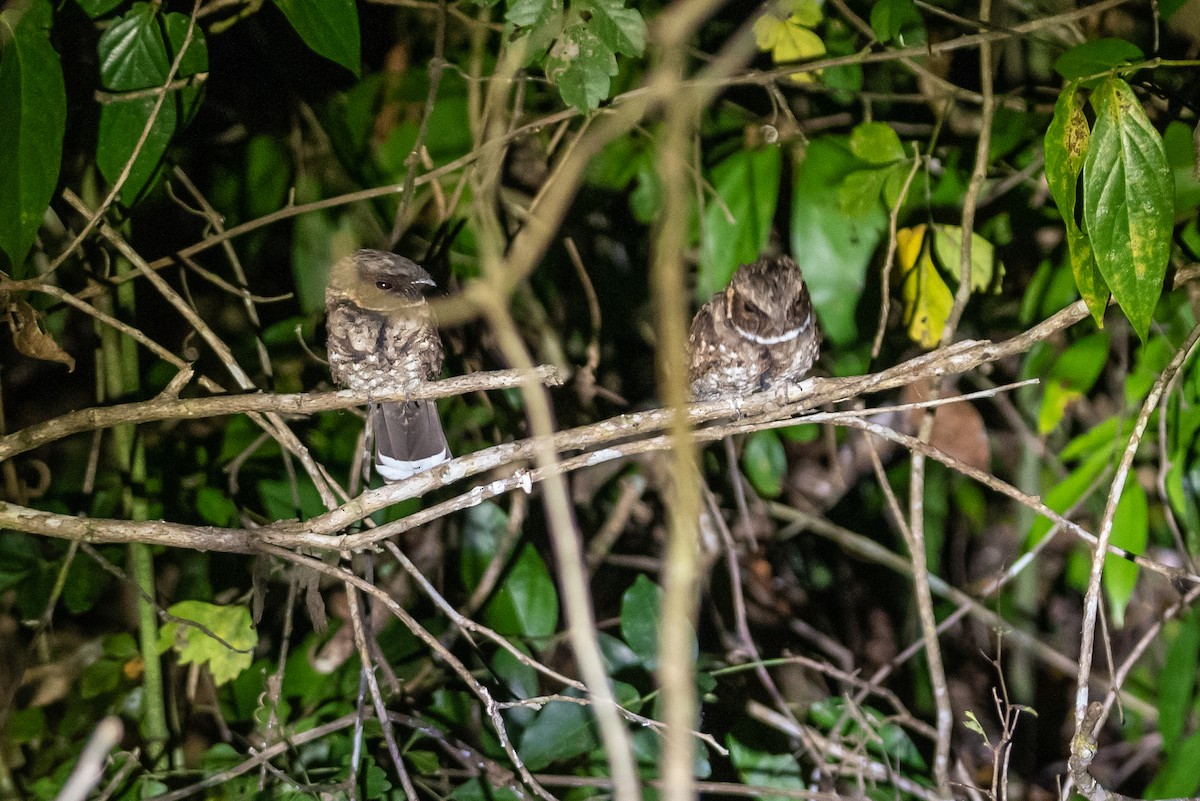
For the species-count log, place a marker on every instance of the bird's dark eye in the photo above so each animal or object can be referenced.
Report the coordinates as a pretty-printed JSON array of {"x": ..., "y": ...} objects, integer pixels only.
[
  {"x": 386, "y": 286},
  {"x": 752, "y": 312}
]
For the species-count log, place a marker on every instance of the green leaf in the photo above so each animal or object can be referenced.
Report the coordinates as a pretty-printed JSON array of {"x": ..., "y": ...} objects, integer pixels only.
[
  {"x": 134, "y": 58},
  {"x": 737, "y": 222},
  {"x": 529, "y": 13},
  {"x": 98, "y": 8},
  {"x": 1181, "y": 153},
  {"x": 328, "y": 27},
  {"x": 19, "y": 558},
  {"x": 1178, "y": 777},
  {"x": 876, "y": 143},
  {"x": 639, "y": 620},
  {"x": 1067, "y": 493},
  {"x": 889, "y": 18},
  {"x": 1099, "y": 55},
  {"x": 561, "y": 730},
  {"x": 34, "y": 97},
  {"x": 526, "y": 603},
  {"x": 833, "y": 248},
  {"x": 1131, "y": 530},
  {"x": 778, "y": 771},
  {"x": 581, "y": 64},
  {"x": 881, "y": 736},
  {"x": 622, "y": 29},
  {"x": 765, "y": 463},
  {"x": 1177, "y": 682},
  {"x": 1066, "y": 146},
  {"x": 1128, "y": 202},
  {"x": 1072, "y": 376},
  {"x": 486, "y": 525},
  {"x": 947, "y": 247},
  {"x": 215, "y": 506},
  {"x": 230, "y": 623}
]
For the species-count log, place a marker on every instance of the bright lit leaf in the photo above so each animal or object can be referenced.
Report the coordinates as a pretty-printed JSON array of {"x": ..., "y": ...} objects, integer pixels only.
[
  {"x": 876, "y": 143},
  {"x": 1055, "y": 400},
  {"x": 790, "y": 39},
  {"x": 834, "y": 248},
  {"x": 581, "y": 65},
  {"x": 1128, "y": 201},
  {"x": 197, "y": 646},
  {"x": 927, "y": 298},
  {"x": 947, "y": 246}
]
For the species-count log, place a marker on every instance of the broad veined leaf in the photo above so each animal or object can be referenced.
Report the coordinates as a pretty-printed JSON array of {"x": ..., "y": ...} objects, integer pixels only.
[
  {"x": 834, "y": 248},
  {"x": 621, "y": 28},
  {"x": 1096, "y": 56},
  {"x": 1128, "y": 201},
  {"x": 876, "y": 143},
  {"x": 134, "y": 58},
  {"x": 927, "y": 299},
  {"x": 328, "y": 27},
  {"x": 581, "y": 65},
  {"x": 986, "y": 270},
  {"x": 890, "y": 18},
  {"x": 529, "y": 13},
  {"x": 561, "y": 730},
  {"x": 196, "y": 645},
  {"x": 34, "y": 97},
  {"x": 525, "y": 604},
  {"x": 1066, "y": 146},
  {"x": 859, "y": 193},
  {"x": 791, "y": 38},
  {"x": 738, "y": 221}
]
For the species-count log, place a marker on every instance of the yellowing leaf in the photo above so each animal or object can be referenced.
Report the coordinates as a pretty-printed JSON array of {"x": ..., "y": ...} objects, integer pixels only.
[
  {"x": 927, "y": 299},
  {"x": 791, "y": 39},
  {"x": 1054, "y": 405},
  {"x": 227, "y": 656},
  {"x": 767, "y": 29},
  {"x": 806, "y": 13}
]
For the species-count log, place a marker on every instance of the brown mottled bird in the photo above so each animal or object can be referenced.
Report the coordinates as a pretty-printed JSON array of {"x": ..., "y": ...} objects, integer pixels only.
[
  {"x": 381, "y": 339},
  {"x": 759, "y": 332}
]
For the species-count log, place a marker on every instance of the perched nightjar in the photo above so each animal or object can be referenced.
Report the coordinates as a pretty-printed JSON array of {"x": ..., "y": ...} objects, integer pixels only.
[{"x": 382, "y": 338}]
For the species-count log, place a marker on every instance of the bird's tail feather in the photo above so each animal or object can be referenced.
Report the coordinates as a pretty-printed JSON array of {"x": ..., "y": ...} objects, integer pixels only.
[{"x": 408, "y": 438}]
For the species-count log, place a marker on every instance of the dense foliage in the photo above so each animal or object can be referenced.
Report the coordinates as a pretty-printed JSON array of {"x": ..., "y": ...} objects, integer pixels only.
[{"x": 885, "y": 586}]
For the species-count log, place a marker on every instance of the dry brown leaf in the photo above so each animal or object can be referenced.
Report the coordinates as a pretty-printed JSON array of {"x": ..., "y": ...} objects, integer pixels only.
[{"x": 32, "y": 341}]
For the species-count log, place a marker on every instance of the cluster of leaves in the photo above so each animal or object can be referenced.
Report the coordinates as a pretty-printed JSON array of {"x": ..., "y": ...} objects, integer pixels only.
[{"x": 1128, "y": 212}]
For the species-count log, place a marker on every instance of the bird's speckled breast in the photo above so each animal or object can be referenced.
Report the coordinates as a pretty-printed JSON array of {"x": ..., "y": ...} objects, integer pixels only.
[{"x": 372, "y": 351}]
